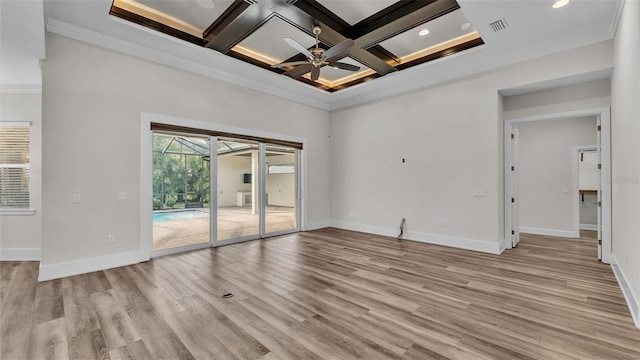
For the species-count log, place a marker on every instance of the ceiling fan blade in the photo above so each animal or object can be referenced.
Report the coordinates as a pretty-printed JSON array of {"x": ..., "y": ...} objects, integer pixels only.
[
  {"x": 293, "y": 63},
  {"x": 338, "y": 50},
  {"x": 299, "y": 71},
  {"x": 296, "y": 45},
  {"x": 344, "y": 66},
  {"x": 315, "y": 73}
]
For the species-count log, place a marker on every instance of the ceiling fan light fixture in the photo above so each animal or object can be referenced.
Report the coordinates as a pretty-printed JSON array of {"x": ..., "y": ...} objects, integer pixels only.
[
  {"x": 424, "y": 32},
  {"x": 560, "y": 3}
]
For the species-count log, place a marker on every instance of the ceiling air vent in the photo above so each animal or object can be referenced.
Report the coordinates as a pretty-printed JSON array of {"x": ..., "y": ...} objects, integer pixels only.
[{"x": 499, "y": 25}]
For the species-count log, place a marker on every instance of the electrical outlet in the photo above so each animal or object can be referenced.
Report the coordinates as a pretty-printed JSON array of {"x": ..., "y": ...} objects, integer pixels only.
[
  {"x": 441, "y": 222},
  {"x": 111, "y": 238},
  {"x": 122, "y": 195},
  {"x": 76, "y": 198}
]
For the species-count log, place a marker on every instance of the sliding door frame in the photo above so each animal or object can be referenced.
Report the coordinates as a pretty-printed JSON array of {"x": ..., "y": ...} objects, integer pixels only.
[{"x": 146, "y": 178}]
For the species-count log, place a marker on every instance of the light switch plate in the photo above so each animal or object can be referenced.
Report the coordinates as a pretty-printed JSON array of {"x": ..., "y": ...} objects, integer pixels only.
[
  {"x": 76, "y": 198},
  {"x": 122, "y": 195}
]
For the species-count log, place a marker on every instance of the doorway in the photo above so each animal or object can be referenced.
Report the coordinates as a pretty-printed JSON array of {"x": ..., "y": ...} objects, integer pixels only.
[
  {"x": 513, "y": 206},
  {"x": 210, "y": 190}
]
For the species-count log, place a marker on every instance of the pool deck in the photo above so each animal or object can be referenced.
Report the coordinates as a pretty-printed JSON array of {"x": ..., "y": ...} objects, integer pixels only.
[{"x": 233, "y": 222}]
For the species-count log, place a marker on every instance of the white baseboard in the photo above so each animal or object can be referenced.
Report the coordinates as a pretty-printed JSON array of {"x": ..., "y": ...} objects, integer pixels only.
[
  {"x": 437, "y": 239},
  {"x": 503, "y": 245},
  {"x": 20, "y": 254},
  {"x": 548, "y": 232},
  {"x": 316, "y": 225},
  {"x": 593, "y": 227},
  {"x": 83, "y": 266},
  {"x": 632, "y": 301}
]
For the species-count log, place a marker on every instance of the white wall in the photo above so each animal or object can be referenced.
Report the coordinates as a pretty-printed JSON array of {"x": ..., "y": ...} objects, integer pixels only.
[
  {"x": 546, "y": 163},
  {"x": 584, "y": 95},
  {"x": 450, "y": 136},
  {"x": 281, "y": 187},
  {"x": 92, "y": 104},
  {"x": 20, "y": 234},
  {"x": 231, "y": 170},
  {"x": 625, "y": 152}
]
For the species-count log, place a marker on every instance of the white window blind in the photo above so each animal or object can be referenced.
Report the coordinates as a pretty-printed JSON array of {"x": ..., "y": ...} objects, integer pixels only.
[{"x": 14, "y": 165}]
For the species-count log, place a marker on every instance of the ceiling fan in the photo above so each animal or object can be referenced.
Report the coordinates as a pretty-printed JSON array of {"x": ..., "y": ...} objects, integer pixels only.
[{"x": 317, "y": 57}]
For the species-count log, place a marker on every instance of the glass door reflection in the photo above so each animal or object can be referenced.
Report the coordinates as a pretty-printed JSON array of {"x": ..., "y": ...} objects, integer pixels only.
[
  {"x": 238, "y": 208},
  {"x": 281, "y": 187}
]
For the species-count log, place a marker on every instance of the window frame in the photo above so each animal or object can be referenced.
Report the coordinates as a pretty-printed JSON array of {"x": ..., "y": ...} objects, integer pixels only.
[{"x": 28, "y": 210}]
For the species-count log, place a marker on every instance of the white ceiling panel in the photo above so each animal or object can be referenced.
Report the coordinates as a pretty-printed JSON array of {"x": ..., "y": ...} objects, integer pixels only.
[
  {"x": 269, "y": 40},
  {"x": 354, "y": 11},
  {"x": 198, "y": 13},
  {"x": 442, "y": 29}
]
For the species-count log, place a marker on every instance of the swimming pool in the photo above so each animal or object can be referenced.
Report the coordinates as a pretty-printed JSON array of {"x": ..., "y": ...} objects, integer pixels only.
[{"x": 178, "y": 215}]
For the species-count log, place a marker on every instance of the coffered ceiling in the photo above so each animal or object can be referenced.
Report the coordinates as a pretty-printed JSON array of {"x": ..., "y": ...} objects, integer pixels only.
[
  {"x": 210, "y": 38},
  {"x": 387, "y": 35}
]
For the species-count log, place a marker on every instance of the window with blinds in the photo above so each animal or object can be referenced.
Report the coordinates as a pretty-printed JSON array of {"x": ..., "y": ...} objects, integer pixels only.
[{"x": 14, "y": 165}]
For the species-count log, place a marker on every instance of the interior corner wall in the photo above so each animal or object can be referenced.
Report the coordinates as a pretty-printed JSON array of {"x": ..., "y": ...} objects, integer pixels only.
[
  {"x": 625, "y": 151},
  {"x": 20, "y": 235},
  {"x": 450, "y": 138},
  {"x": 545, "y": 154},
  {"x": 92, "y": 104}
]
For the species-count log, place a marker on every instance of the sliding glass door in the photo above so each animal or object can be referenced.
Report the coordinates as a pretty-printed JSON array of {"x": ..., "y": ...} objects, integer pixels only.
[
  {"x": 238, "y": 190},
  {"x": 281, "y": 189},
  {"x": 214, "y": 190},
  {"x": 181, "y": 187}
]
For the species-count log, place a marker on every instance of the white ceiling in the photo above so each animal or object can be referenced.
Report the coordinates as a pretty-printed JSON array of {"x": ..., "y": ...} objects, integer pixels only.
[
  {"x": 21, "y": 44},
  {"x": 535, "y": 30}
]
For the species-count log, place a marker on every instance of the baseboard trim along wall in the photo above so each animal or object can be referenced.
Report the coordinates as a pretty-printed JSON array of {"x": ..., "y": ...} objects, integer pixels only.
[
  {"x": 632, "y": 302},
  {"x": 593, "y": 227},
  {"x": 548, "y": 232},
  {"x": 83, "y": 266},
  {"x": 20, "y": 254},
  {"x": 316, "y": 225},
  {"x": 436, "y": 239}
]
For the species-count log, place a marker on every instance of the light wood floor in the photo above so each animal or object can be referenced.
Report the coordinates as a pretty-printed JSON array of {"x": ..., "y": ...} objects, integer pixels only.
[{"x": 327, "y": 294}]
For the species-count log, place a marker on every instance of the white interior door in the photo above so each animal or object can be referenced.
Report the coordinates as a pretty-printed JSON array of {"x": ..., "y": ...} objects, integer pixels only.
[
  {"x": 599, "y": 188},
  {"x": 515, "y": 195}
]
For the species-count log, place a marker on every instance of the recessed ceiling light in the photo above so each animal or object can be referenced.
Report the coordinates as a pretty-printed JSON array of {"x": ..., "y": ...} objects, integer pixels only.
[
  {"x": 465, "y": 26},
  {"x": 560, "y": 3},
  {"x": 423, "y": 32},
  {"x": 207, "y": 4}
]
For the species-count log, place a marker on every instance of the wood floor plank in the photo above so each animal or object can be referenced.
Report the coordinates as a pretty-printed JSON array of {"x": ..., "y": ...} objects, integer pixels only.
[
  {"x": 327, "y": 294},
  {"x": 234, "y": 338},
  {"x": 116, "y": 325},
  {"x": 199, "y": 339},
  {"x": 49, "y": 341},
  {"x": 49, "y": 301},
  {"x": 88, "y": 346},
  {"x": 17, "y": 319},
  {"x": 134, "y": 351}
]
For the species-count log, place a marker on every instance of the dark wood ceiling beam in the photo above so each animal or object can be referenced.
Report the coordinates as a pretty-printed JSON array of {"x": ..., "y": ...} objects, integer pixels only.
[
  {"x": 329, "y": 36},
  {"x": 409, "y": 21},
  {"x": 324, "y": 15},
  {"x": 394, "y": 12},
  {"x": 240, "y": 28},
  {"x": 228, "y": 16}
]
